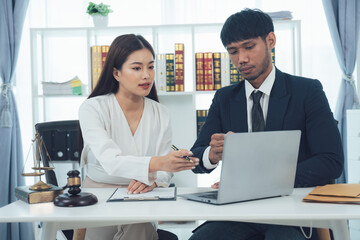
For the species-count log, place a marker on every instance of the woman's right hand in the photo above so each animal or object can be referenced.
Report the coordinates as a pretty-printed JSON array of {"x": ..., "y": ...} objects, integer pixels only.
[{"x": 174, "y": 161}]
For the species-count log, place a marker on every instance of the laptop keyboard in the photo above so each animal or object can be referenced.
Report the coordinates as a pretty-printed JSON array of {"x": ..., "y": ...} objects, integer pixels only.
[{"x": 212, "y": 195}]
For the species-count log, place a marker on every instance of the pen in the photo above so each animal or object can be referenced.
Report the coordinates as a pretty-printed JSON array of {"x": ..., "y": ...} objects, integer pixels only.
[{"x": 176, "y": 149}]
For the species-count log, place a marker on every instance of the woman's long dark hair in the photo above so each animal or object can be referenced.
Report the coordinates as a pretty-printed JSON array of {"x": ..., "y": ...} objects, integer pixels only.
[{"x": 119, "y": 51}]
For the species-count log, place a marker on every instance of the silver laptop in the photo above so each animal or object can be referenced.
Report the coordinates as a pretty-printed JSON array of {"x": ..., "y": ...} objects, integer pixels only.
[{"x": 255, "y": 165}]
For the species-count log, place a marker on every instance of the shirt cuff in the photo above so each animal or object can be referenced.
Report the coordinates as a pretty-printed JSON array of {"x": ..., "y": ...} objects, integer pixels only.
[{"x": 206, "y": 161}]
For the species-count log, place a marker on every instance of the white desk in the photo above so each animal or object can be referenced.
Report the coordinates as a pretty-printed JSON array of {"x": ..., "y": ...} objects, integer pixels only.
[{"x": 288, "y": 210}]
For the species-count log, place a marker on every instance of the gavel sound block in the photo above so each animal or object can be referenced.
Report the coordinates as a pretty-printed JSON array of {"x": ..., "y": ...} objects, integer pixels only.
[{"x": 74, "y": 197}]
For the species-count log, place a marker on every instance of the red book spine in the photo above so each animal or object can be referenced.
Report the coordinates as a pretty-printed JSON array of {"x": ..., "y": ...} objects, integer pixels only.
[
  {"x": 179, "y": 67},
  {"x": 199, "y": 59},
  {"x": 208, "y": 72},
  {"x": 104, "y": 52}
]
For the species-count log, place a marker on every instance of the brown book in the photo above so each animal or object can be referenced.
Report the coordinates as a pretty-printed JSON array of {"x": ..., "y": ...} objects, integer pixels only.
[
  {"x": 208, "y": 71},
  {"x": 30, "y": 196},
  {"x": 217, "y": 70},
  {"x": 96, "y": 65},
  {"x": 179, "y": 67},
  {"x": 199, "y": 60}
]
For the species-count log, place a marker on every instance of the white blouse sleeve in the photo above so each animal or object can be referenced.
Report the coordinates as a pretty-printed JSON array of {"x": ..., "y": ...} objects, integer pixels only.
[
  {"x": 163, "y": 178},
  {"x": 94, "y": 124}
]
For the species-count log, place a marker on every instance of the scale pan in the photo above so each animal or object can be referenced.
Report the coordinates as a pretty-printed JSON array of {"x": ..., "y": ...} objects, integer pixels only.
[
  {"x": 43, "y": 168},
  {"x": 33, "y": 174}
]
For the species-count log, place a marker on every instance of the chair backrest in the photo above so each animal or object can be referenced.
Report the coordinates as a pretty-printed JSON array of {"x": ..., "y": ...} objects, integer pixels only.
[{"x": 62, "y": 142}]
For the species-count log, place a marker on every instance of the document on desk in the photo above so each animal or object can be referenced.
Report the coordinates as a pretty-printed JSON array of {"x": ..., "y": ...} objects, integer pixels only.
[
  {"x": 157, "y": 194},
  {"x": 335, "y": 193}
]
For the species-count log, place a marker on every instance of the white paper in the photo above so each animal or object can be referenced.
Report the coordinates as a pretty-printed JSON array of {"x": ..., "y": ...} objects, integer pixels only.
[{"x": 155, "y": 194}]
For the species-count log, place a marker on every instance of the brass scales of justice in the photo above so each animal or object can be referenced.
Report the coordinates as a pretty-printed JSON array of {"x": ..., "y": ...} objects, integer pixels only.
[
  {"x": 75, "y": 197},
  {"x": 38, "y": 146}
]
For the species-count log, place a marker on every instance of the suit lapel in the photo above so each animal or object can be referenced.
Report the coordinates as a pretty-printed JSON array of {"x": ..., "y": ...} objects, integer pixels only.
[
  {"x": 238, "y": 109},
  {"x": 278, "y": 103}
]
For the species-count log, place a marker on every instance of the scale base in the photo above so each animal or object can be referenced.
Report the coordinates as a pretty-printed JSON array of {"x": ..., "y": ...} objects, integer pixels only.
[
  {"x": 78, "y": 200},
  {"x": 40, "y": 185}
]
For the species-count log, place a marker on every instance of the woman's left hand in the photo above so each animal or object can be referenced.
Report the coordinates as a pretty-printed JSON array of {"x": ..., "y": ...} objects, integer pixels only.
[{"x": 136, "y": 187}]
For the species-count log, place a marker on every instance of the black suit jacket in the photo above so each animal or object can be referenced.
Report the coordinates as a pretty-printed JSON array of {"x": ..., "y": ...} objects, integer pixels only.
[{"x": 295, "y": 103}]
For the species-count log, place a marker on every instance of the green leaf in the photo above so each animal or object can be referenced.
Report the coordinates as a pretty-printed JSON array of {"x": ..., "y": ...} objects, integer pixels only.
[{"x": 101, "y": 8}]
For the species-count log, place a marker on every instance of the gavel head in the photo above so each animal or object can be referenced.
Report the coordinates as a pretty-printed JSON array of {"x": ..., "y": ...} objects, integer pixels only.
[{"x": 74, "y": 182}]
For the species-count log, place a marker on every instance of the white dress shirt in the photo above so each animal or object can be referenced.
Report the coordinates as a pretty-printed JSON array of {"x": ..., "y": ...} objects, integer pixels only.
[
  {"x": 265, "y": 87},
  {"x": 112, "y": 154}
]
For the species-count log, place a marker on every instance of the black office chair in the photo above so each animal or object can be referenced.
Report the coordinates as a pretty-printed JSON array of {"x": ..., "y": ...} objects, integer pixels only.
[
  {"x": 64, "y": 143},
  {"x": 61, "y": 139}
]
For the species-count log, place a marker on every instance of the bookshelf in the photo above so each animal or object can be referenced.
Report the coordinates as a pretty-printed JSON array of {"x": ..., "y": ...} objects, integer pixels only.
[{"x": 59, "y": 54}]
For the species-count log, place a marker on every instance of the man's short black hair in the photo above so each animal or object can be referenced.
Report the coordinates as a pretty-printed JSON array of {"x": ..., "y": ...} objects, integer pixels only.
[{"x": 247, "y": 24}]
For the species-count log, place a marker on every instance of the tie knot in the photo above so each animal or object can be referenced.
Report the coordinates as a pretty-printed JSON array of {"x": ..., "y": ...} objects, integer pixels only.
[{"x": 256, "y": 96}]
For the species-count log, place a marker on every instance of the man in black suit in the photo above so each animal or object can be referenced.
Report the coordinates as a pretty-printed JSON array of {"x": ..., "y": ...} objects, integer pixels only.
[{"x": 268, "y": 100}]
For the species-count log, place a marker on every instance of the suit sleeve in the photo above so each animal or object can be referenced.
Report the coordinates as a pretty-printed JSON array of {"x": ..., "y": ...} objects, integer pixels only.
[
  {"x": 211, "y": 126},
  {"x": 322, "y": 137}
]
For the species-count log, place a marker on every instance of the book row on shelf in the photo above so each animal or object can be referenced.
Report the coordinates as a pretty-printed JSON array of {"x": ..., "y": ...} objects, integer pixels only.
[
  {"x": 213, "y": 70},
  {"x": 170, "y": 70}
]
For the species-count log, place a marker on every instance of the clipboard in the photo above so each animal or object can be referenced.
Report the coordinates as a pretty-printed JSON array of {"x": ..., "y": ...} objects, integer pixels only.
[{"x": 157, "y": 194}]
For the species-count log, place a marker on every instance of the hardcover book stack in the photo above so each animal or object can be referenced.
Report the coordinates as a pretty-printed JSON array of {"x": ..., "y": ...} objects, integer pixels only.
[
  {"x": 170, "y": 70},
  {"x": 39, "y": 196},
  {"x": 98, "y": 57}
]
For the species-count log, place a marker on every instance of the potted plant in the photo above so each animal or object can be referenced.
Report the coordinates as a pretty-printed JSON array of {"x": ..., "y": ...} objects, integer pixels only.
[{"x": 99, "y": 13}]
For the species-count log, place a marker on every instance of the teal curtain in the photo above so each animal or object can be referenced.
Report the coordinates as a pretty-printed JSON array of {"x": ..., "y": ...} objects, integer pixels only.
[
  {"x": 343, "y": 19},
  {"x": 12, "y": 15}
]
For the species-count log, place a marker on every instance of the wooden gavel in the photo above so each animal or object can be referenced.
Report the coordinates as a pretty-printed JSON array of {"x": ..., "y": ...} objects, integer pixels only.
[{"x": 73, "y": 182}]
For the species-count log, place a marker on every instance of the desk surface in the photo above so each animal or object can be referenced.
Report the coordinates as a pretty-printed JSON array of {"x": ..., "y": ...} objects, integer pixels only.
[{"x": 279, "y": 208}]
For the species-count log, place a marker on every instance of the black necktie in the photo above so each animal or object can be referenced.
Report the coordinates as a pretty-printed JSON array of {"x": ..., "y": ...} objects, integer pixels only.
[{"x": 258, "y": 123}]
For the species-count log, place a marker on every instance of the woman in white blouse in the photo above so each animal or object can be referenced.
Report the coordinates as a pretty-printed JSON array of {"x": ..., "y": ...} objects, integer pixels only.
[{"x": 126, "y": 132}]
